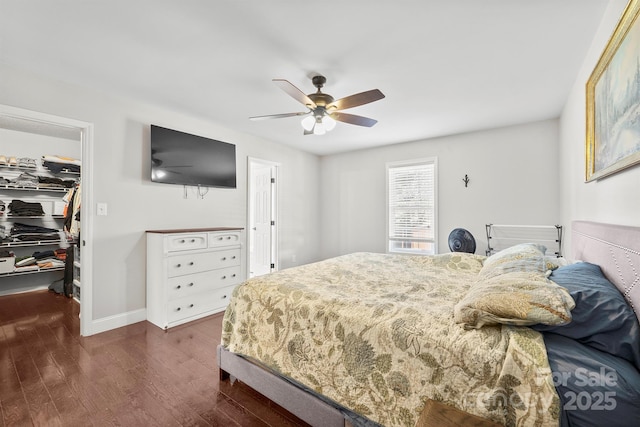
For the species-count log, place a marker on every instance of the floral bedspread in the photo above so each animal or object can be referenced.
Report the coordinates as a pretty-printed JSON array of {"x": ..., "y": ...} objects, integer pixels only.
[{"x": 375, "y": 332}]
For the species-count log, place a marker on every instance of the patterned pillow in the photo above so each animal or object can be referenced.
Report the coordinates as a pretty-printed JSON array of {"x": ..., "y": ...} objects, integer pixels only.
[
  {"x": 516, "y": 298},
  {"x": 553, "y": 262},
  {"x": 522, "y": 257}
]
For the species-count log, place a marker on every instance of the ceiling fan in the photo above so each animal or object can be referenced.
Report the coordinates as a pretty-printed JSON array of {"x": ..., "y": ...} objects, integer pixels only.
[{"x": 323, "y": 110}]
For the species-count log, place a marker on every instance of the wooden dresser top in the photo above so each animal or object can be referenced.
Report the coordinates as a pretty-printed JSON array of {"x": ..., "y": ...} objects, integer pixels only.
[{"x": 195, "y": 230}]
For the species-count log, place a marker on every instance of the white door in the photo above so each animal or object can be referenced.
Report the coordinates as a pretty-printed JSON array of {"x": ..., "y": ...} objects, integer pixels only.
[{"x": 261, "y": 218}]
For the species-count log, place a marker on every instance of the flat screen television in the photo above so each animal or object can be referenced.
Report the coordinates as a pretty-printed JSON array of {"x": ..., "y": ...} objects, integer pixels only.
[{"x": 182, "y": 158}]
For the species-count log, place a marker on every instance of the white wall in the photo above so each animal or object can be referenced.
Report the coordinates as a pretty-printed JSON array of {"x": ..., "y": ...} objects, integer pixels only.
[
  {"x": 614, "y": 199},
  {"x": 513, "y": 174},
  {"x": 121, "y": 179}
]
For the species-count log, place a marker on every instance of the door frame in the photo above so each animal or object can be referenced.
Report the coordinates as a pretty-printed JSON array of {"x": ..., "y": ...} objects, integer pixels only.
[
  {"x": 86, "y": 178},
  {"x": 253, "y": 162}
]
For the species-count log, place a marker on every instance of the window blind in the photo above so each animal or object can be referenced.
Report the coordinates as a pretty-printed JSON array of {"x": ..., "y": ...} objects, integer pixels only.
[{"x": 411, "y": 207}]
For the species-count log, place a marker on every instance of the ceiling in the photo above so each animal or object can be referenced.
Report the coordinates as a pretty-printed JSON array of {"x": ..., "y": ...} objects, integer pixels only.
[{"x": 446, "y": 67}]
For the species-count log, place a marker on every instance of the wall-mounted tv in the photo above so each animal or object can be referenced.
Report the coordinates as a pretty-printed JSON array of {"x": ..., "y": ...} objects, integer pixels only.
[{"x": 182, "y": 158}]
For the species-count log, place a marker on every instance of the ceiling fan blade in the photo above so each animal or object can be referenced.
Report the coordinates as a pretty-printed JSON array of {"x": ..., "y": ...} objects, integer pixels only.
[
  {"x": 295, "y": 93},
  {"x": 279, "y": 116},
  {"x": 353, "y": 119},
  {"x": 356, "y": 100}
]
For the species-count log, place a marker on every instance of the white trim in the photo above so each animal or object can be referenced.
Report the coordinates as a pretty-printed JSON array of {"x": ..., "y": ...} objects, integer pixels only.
[
  {"x": 4, "y": 292},
  {"x": 118, "y": 320},
  {"x": 86, "y": 233},
  {"x": 275, "y": 167}
]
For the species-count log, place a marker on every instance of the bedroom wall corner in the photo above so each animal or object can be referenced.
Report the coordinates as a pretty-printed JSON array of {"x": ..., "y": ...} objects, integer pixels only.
[
  {"x": 613, "y": 199},
  {"x": 513, "y": 174}
]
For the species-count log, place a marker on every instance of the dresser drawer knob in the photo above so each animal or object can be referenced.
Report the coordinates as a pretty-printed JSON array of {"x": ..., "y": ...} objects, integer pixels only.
[
  {"x": 233, "y": 257},
  {"x": 178, "y": 309},
  {"x": 193, "y": 240},
  {"x": 179, "y": 265},
  {"x": 220, "y": 238},
  {"x": 233, "y": 275},
  {"x": 190, "y": 305},
  {"x": 191, "y": 263},
  {"x": 224, "y": 258},
  {"x": 178, "y": 287},
  {"x": 224, "y": 277},
  {"x": 224, "y": 297},
  {"x": 228, "y": 237},
  {"x": 190, "y": 284},
  {"x": 182, "y": 241}
]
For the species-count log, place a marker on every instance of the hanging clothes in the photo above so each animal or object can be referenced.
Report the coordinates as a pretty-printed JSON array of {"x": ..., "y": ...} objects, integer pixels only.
[{"x": 72, "y": 211}]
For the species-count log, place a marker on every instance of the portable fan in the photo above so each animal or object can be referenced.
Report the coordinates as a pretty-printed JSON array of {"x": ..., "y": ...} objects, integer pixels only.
[{"x": 461, "y": 240}]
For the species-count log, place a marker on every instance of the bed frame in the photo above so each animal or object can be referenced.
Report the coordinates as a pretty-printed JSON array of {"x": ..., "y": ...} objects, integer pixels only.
[{"x": 615, "y": 248}]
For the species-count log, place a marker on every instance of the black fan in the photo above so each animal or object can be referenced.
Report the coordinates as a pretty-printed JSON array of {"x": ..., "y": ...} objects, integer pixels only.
[{"x": 460, "y": 240}]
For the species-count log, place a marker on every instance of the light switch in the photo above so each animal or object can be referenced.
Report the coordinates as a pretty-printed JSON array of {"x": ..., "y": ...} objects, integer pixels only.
[{"x": 101, "y": 209}]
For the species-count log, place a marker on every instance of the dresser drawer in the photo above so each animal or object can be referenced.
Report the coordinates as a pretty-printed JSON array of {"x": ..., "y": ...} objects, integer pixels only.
[
  {"x": 220, "y": 238},
  {"x": 186, "y": 242},
  {"x": 182, "y": 286},
  {"x": 195, "y": 263},
  {"x": 198, "y": 303}
]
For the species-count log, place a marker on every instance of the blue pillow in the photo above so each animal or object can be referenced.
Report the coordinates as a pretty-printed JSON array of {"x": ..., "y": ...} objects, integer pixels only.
[
  {"x": 602, "y": 318},
  {"x": 595, "y": 388}
]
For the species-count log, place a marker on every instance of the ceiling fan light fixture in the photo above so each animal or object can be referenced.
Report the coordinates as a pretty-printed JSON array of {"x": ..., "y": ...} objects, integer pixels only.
[
  {"x": 308, "y": 123},
  {"x": 329, "y": 123},
  {"x": 319, "y": 128}
]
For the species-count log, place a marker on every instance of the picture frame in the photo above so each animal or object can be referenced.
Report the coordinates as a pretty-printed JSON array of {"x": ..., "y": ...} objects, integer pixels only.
[{"x": 613, "y": 101}]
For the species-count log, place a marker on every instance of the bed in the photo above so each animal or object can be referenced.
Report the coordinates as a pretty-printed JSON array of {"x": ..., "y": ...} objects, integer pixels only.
[{"x": 368, "y": 339}]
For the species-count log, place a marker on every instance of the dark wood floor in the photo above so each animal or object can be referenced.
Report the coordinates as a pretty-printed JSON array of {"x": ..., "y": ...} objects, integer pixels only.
[{"x": 138, "y": 375}]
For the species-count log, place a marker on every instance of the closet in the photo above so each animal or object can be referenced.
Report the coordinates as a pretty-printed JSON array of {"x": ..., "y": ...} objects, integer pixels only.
[{"x": 40, "y": 165}]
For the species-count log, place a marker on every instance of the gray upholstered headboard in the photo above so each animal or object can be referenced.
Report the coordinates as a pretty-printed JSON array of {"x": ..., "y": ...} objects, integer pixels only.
[{"x": 616, "y": 249}]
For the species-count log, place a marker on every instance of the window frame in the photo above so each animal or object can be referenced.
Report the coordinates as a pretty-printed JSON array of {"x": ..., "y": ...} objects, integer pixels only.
[{"x": 405, "y": 163}]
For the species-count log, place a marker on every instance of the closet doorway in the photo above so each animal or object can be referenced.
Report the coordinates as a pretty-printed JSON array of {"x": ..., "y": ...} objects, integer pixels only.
[
  {"x": 20, "y": 128},
  {"x": 262, "y": 215}
]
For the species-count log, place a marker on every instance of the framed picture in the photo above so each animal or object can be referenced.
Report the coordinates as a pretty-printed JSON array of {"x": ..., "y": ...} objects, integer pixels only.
[{"x": 613, "y": 101}]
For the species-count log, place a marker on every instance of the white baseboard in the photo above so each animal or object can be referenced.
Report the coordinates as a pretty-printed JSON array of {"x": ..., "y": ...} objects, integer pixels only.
[
  {"x": 4, "y": 292},
  {"x": 117, "y": 321}
]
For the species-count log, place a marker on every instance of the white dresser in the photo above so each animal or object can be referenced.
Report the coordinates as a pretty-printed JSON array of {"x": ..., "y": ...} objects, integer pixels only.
[{"x": 191, "y": 273}]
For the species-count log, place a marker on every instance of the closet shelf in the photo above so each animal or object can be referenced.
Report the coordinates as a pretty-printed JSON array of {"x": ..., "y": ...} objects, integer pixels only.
[
  {"x": 40, "y": 168},
  {"x": 40, "y": 270},
  {"x": 34, "y": 243},
  {"x": 9, "y": 217},
  {"x": 36, "y": 188},
  {"x": 19, "y": 168}
]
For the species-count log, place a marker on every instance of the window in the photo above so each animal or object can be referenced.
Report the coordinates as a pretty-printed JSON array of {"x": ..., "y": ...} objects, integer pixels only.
[{"x": 411, "y": 207}]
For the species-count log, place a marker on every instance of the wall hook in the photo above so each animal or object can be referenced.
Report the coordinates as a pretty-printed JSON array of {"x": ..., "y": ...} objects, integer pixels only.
[{"x": 466, "y": 180}]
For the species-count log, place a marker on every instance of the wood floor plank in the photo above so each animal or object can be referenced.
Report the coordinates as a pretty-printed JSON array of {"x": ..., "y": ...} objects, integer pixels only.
[
  {"x": 160, "y": 388},
  {"x": 41, "y": 407},
  {"x": 139, "y": 375},
  {"x": 15, "y": 410}
]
